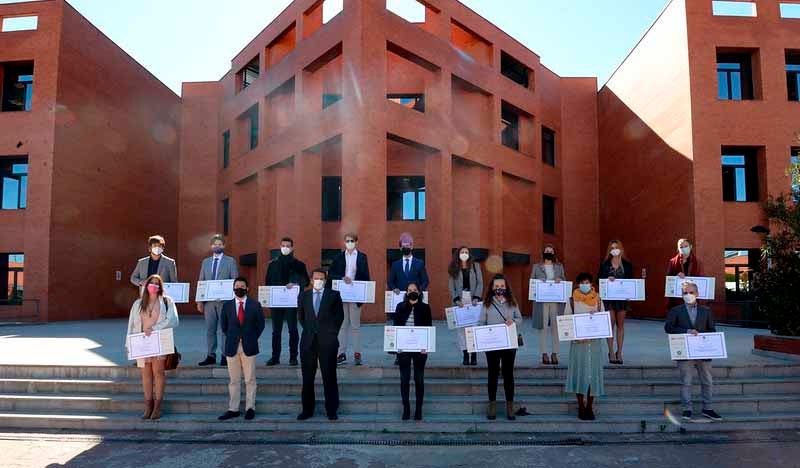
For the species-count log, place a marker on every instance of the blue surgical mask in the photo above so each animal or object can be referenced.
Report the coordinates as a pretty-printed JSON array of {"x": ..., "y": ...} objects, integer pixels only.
[{"x": 586, "y": 288}]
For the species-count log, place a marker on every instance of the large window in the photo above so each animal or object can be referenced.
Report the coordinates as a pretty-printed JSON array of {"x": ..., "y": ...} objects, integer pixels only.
[
  {"x": 740, "y": 264},
  {"x": 405, "y": 198},
  {"x": 226, "y": 149},
  {"x": 739, "y": 175},
  {"x": 548, "y": 146},
  {"x": 14, "y": 177},
  {"x": 12, "y": 266},
  {"x": 249, "y": 74},
  {"x": 331, "y": 198},
  {"x": 412, "y": 101},
  {"x": 510, "y": 132},
  {"x": 17, "y": 87},
  {"x": 548, "y": 214},
  {"x": 735, "y": 76},
  {"x": 793, "y": 75},
  {"x": 514, "y": 70}
]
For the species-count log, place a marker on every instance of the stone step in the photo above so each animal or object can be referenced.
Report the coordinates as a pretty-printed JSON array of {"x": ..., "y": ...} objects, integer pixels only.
[
  {"x": 392, "y": 423},
  {"x": 390, "y": 404}
]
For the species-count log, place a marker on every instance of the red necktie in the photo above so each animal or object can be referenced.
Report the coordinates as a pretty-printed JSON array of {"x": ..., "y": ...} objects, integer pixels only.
[{"x": 241, "y": 313}]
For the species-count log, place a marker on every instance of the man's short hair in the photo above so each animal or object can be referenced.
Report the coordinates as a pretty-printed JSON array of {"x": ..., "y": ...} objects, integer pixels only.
[
  {"x": 217, "y": 237},
  {"x": 241, "y": 279},
  {"x": 351, "y": 235},
  {"x": 690, "y": 284},
  {"x": 289, "y": 240},
  {"x": 156, "y": 240},
  {"x": 319, "y": 270}
]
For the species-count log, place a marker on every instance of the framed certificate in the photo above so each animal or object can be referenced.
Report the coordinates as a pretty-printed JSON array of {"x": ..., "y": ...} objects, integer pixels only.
[
  {"x": 584, "y": 326},
  {"x": 461, "y": 317},
  {"x": 549, "y": 291},
  {"x": 622, "y": 290},
  {"x": 179, "y": 292},
  {"x": 491, "y": 338},
  {"x": 159, "y": 343},
  {"x": 278, "y": 297},
  {"x": 701, "y": 346},
  {"x": 390, "y": 300},
  {"x": 409, "y": 339},
  {"x": 217, "y": 290},
  {"x": 705, "y": 286},
  {"x": 360, "y": 292}
]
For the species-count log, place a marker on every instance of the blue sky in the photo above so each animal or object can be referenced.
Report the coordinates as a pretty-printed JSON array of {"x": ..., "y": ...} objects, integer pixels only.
[{"x": 194, "y": 40}]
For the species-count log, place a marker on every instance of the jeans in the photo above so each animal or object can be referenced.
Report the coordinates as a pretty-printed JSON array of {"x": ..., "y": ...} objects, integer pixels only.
[{"x": 706, "y": 383}]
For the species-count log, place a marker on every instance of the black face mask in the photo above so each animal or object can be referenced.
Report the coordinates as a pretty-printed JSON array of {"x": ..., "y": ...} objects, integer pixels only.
[
  {"x": 240, "y": 292},
  {"x": 406, "y": 251},
  {"x": 413, "y": 296},
  {"x": 499, "y": 292},
  {"x": 549, "y": 256}
]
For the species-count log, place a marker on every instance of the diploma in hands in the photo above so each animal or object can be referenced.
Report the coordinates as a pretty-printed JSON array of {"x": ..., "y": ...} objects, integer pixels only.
[
  {"x": 409, "y": 339},
  {"x": 491, "y": 337},
  {"x": 584, "y": 326},
  {"x": 700, "y": 346},
  {"x": 359, "y": 292},
  {"x": 278, "y": 297},
  {"x": 159, "y": 343},
  {"x": 217, "y": 290},
  {"x": 549, "y": 291},
  {"x": 460, "y": 317},
  {"x": 705, "y": 286},
  {"x": 622, "y": 290},
  {"x": 179, "y": 292}
]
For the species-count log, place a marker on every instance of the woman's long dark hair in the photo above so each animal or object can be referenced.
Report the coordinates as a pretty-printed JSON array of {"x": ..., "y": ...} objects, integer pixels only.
[
  {"x": 146, "y": 295},
  {"x": 455, "y": 264},
  {"x": 405, "y": 299},
  {"x": 490, "y": 291}
]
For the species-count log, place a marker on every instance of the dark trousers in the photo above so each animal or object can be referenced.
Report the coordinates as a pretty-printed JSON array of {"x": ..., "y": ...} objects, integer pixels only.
[
  {"x": 505, "y": 359},
  {"x": 290, "y": 317},
  {"x": 311, "y": 353},
  {"x": 419, "y": 361}
]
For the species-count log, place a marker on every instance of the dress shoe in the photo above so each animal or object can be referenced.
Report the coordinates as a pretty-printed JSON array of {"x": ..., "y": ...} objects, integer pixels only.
[
  {"x": 208, "y": 361},
  {"x": 333, "y": 417},
  {"x": 473, "y": 359},
  {"x": 465, "y": 361},
  {"x": 293, "y": 361},
  {"x": 418, "y": 414},
  {"x": 250, "y": 414},
  {"x": 303, "y": 416},
  {"x": 341, "y": 359},
  {"x": 223, "y": 362},
  {"x": 229, "y": 415},
  {"x": 406, "y": 412},
  {"x": 273, "y": 362}
]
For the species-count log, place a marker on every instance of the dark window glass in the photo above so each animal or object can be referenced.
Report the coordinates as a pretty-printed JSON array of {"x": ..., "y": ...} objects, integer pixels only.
[
  {"x": 734, "y": 76},
  {"x": 226, "y": 205},
  {"x": 548, "y": 146},
  {"x": 226, "y": 148},
  {"x": 330, "y": 99},
  {"x": 12, "y": 267},
  {"x": 331, "y": 198},
  {"x": 254, "y": 129},
  {"x": 739, "y": 175},
  {"x": 510, "y": 132},
  {"x": 795, "y": 173},
  {"x": 14, "y": 179},
  {"x": 412, "y": 101},
  {"x": 249, "y": 74},
  {"x": 740, "y": 264},
  {"x": 793, "y": 75},
  {"x": 548, "y": 214},
  {"x": 405, "y": 198},
  {"x": 514, "y": 70},
  {"x": 17, "y": 87}
]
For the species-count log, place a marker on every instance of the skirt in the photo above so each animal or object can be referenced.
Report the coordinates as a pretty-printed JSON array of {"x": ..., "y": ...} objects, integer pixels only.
[{"x": 585, "y": 371}]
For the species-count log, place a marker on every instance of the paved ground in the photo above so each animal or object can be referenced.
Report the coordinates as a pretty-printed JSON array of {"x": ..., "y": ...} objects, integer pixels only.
[{"x": 100, "y": 343}]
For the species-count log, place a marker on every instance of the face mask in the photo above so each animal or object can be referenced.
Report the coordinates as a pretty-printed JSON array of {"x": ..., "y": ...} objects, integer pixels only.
[
  {"x": 319, "y": 284},
  {"x": 286, "y": 250},
  {"x": 157, "y": 250},
  {"x": 615, "y": 252},
  {"x": 464, "y": 257},
  {"x": 153, "y": 288},
  {"x": 413, "y": 296},
  {"x": 406, "y": 251},
  {"x": 240, "y": 292},
  {"x": 350, "y": 245},
  {"x": 689, "y": 298},
  {"x": 586, "y": 288},
  {"x": 686, "y": 251},
  {"x": 218, "y": 250},
  {"x": 549, "y": 256},
  {"x": 500, "y": 292}
]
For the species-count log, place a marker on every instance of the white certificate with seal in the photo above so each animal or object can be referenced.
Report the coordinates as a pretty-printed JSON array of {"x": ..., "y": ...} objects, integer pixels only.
[
  {"x": 215, "y": 290},
  {"x": 278, "y": 297},
  {"x": 179, "y": 292},
  {"x": 549, "y": 291},
  {"x": 622, "y": 289},
  {"x": 159, "y": 343},
  {"x": 409, "y": 339},
  {"x": 461, "y": 317},
  {"x": 700, "y": 346},
  {"x": 359, "y": 292},
  {"x": 390, "y": 300},
  {"x": 705, "y": 286},
  {"x": 584, "y": 326},
  {"x": 491, "y": 337}
]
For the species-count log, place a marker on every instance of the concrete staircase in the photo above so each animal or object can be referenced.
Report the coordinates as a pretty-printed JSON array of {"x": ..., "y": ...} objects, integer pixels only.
[{"x": 639, "y": 399}]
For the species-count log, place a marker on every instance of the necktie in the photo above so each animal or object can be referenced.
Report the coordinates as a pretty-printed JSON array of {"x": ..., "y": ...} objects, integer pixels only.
[
  {"x": 408, "y": 267},
  {"x": 241, "y": 313},
  {"x": 317, "y": 300},
  {"x": 214, "y": 268}
]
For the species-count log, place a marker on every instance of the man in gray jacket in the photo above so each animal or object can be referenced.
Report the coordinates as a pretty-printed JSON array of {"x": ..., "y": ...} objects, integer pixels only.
[
  {"x": 155, "y": 264},
  {"x": 216, "y": 267}
]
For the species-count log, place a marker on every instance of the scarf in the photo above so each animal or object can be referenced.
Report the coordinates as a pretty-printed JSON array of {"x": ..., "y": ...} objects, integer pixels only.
[{"x": 592, "y": 299}]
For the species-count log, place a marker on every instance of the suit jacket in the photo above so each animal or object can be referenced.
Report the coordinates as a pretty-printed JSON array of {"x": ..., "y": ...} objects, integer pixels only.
[
  {"x": 422, "y": 314},
  {"x": 678, "y": 320},
  {"x": 398, "y": 279},
  {"x": 339, "y": 267},
  {"x": 327, "y": 324},
  {"x": 248, "y": 333},
  {"x": 298, "y": 274},
  {"x": 226, "y": 269},
  {"x": 166, "y": 270},
  {"x": 475, "y": 283},
  {"x": 538, "y": 272}
]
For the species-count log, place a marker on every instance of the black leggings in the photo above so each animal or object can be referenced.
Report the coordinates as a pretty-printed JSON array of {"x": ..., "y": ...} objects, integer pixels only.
[
  {"x": 419, "y": 360},
  {"x": 494, "y": 359}
]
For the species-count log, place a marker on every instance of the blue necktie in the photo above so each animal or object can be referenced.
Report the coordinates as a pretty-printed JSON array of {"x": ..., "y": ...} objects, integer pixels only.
[
  {"x": 214, "y": 268},
  {"x": 408, "y": 267},
  {"x": 317, "y": 300}
]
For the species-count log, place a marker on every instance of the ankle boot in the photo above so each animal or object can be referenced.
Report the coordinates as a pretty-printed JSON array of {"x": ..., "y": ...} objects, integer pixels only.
[
  {"x": 466, "y": 358},
  {"x": 491, "y": 411},
  {"x": 418, "y": 413},
  {"x": 156, "y": 414},
  {"x": 510, "y": 411},
  {"x": 473, "y": 359},
  {"x": 148, "y": 409}
]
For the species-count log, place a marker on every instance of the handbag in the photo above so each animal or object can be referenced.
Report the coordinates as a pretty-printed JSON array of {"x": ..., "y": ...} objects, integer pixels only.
[
  {"x": 520, "y": 340},
  {"x": 171, "y": 361}
]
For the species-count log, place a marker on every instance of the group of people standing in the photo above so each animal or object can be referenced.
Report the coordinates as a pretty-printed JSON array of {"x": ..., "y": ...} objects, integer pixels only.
[{"x": 328, "y": 324}]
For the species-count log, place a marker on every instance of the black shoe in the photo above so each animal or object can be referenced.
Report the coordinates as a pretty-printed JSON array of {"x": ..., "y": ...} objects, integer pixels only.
[
  {"x": 581, "y": 413},
  {"x": 473, "y": 360},
  {"x": 466, "y": 359},
  {"x": 687, "y": 416},
  {"x": 229, "y": 415},
  {"x": 418, "y": 414},
  {"x": 406, "y": 413},
  {"x": 341, "y": 359},
  {"x": 208, "y": 361},
  {"x": 712, "y": 415},
  {"x": 303, "y": 416},
  {"x": 273, "y": 362},
  {"x": 332, "y": 417},
  {"x": 590, "y": 414},
  {"x": 223, "y": 362},
  {"x": 293, "y": 361},
  {"x": 250, "y": 414},
  {"x": 397, "y": 361}
]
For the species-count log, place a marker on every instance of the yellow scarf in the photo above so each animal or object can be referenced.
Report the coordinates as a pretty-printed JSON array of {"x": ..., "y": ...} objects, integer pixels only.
[{"x": 592, "y": 299}]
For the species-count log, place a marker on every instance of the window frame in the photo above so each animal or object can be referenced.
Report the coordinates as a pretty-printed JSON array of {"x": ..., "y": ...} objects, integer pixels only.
[
  {"x": 16, "y": 273},
  {"x": 24, "y": 77},
  {"x": 22, "y": 179},
  {"x": 419, "y": 100},
  {"x": 745, "y": 71},
  {"x": 732, "y": 171},
  {"x": 419, "y": 191},
  {"x": 510, "y": 129},
  {"x": 508, "y": 65},
  {"x": 793, "y": 75},
  {"x": 336, "y": 215},
  {"x": 226, "y": 149},
  {"x": 226, "y": 214},
  {"x": 548, "y": 135},
  {"x": 549, "y": 218}
]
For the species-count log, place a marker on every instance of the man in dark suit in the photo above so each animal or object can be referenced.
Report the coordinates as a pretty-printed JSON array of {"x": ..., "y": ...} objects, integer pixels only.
[
  {"x": 321, "y": 314},
  {"x": 290, "y": 272},
  {"x": 350, "y": 265},
  {"x": 242, "y": 322},
  {"x": 693, "y": 318},
  {"x": 406, "y": 270}
]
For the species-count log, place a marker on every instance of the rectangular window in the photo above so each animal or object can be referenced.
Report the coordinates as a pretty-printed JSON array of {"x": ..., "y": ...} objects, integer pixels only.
[
  {"x": 548, "y": 146},
  {"x": 794, "y": 172},
  {"x": 330, "y": 99},
  {"x": 226, "y": 206},
  {"x": 17, "y": 87},
  {"x": 405, "y": 198},
  {"x": 12, "y": 266},
  {"x": 14, "y": 177},
  {"x": 790, "y": 10},
  {"x": 412, "y": 101},
  {"x": 226, "y": 149},
  {"x": 732, "y": 8},
  {"x": 793, "y": 75},
  {"x": 740, "y": 264},
  {"x": 331, "y": 198},
  {"x": 254, "y": 129},
  {"x": 514, "y": 70},
  {"x": 510, "y": 132},
  {"x": 249, "y": 74},
  {"x": 548, "y": 214},
  {"x": 739, "y": 175},
  {"x": 20, "y": 23},
  {"x": 734, "y": 76}
]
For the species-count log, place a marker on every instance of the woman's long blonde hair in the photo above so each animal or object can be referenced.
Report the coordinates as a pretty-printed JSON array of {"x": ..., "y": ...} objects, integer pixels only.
[{"x": 619, "y": 246}]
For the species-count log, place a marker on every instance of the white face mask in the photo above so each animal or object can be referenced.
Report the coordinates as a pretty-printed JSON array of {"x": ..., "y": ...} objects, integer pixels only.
[
  {"x": 350, "y": 245},
  {"x": 689, "y": 298},
  {"x": 464, "y": 257},
  {"x": 686, "y": 250},
  {"x": 615, "y": 252},
  {"x": 286, "y": 250},
  {"x": 157, "y": 250},
  {"x": 319, "y": 284}
]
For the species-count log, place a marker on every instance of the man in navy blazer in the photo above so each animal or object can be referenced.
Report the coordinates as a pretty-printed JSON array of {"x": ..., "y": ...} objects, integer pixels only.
[
  {"x": 693, "y": 318},
  {"x": 242, "y": 322},
  {"x": 350, "y": 265}
]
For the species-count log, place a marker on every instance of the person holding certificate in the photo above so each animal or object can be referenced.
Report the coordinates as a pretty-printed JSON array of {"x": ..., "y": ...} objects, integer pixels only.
[
  {"x": 348, "y": 266},
  {"x": 290, "y": 272},
  {"x": 406, "y": 270},
  {"x": 693, "y": 319},
  {"x": 616, "y": 266},
  {"x": 216, "y": 267},
  {"x": 152, "y": 311},
  {"x": 545, "y": 314},
  {"x": 155, "y": 264},
  {"x": 465, "y": 280},
  {"x": 412, "y": 312},
  {"x": 499, "y": 306},
  {"x": 683, "y": 264},
  {"x": 585, "y": 370}
]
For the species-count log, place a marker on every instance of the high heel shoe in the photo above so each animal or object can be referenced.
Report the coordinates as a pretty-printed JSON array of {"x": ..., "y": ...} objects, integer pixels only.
[
  {"x": 554, "y": 359},
  {"x": 545, "y": 359}
]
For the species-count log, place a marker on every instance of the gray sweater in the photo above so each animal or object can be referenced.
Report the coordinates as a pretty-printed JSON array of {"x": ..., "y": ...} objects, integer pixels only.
[{"x": 490, "y": 315}]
